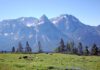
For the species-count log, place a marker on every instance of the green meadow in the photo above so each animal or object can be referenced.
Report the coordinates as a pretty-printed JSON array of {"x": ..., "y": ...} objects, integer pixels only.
[{"x": 52, "y": 61}]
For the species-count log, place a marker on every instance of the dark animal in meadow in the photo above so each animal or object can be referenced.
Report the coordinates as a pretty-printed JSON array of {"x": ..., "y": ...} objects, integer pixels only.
[
  {"x": 26, "y": 57},
  {"x": 49, "y": 53}
]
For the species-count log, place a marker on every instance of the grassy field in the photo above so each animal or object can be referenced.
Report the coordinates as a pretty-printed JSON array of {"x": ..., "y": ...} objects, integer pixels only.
[{"x": 53, "y": 61}]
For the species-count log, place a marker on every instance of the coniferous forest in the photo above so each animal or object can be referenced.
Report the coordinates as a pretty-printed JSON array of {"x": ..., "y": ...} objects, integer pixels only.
[{"x": 64, "y": 48}]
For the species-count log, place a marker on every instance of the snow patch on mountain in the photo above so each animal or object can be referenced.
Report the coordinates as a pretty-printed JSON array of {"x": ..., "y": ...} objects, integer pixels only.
[{"x": 47, "y": 31}]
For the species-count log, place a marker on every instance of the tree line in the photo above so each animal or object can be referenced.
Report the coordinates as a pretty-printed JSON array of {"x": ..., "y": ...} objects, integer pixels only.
[
  {"x": 70, "y": 48},
  {"x": 27, "y": 49}
]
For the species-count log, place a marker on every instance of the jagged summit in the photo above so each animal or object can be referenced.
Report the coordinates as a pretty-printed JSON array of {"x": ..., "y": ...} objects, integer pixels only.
[
  {"x": 64, "y": 15},
  {"x": 69, "y": 17},
  {"x": 47, "y": 31},
  {"x": 44, "y": 18}
]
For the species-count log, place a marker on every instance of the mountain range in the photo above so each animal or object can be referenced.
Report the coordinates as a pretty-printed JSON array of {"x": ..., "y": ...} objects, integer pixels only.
[{"x": 48, "y": 31}]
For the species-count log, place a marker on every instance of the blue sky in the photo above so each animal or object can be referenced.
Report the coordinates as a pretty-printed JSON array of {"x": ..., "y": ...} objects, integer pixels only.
[{"x": 87, "y": 11}]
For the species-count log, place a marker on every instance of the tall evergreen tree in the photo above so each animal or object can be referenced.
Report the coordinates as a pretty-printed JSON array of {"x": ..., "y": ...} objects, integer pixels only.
[
  {"x": 80, "y": 48},
  {"x": 61, "y": 46},
  {"x": 94, "y": 50},
  {"x": 39, "y": 47},
  {"x": 70, "y": 47},
  {"x": 20, "y": 48},
  {"x": 13, "y": 49},
  {"x": 28, "y": 48},
  {"x": 86, "y": 51}
]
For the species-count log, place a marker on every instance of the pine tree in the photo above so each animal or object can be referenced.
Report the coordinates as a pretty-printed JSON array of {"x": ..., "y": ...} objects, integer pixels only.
[
  {"x": 61, "y": 46},
  {"x": 13, "y": 49},
  {"x": 94, "y": 50},
  {"x": 20, "y": 48},
  {"x": 86, "y": 51},
  {"x": 70, "y": 47},
  {"x": 80, "y": 48},
  {"x": 28, "y": 48},
  {"x": 39, "y": 47}
]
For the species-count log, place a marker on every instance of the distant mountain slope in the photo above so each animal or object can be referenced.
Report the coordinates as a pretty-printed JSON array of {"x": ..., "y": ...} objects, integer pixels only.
[
  {"x": 47, "y": 31},
  {"x": 78, "y": 31},
  {"x": 32, "y": 30}
]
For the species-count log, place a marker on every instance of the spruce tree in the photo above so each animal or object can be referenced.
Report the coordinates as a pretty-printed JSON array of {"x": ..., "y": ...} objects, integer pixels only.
[
  {"x": 86, "y": 51},
  {"x": 13, "y": 49},
  {"x": 61, "y": 46},
  {"x": 20, "y": 48},
  {"x": 80, "y": 48},
  {"x": 39, "y": 47},
  {"x": 28, "y": 48},
  {"x": 70, "y": 47},
  {"x": 94, "y": 50}
]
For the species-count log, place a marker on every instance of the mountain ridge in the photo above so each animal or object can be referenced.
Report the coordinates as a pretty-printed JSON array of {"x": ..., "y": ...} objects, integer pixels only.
[{"x": 48, "y": 31}]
